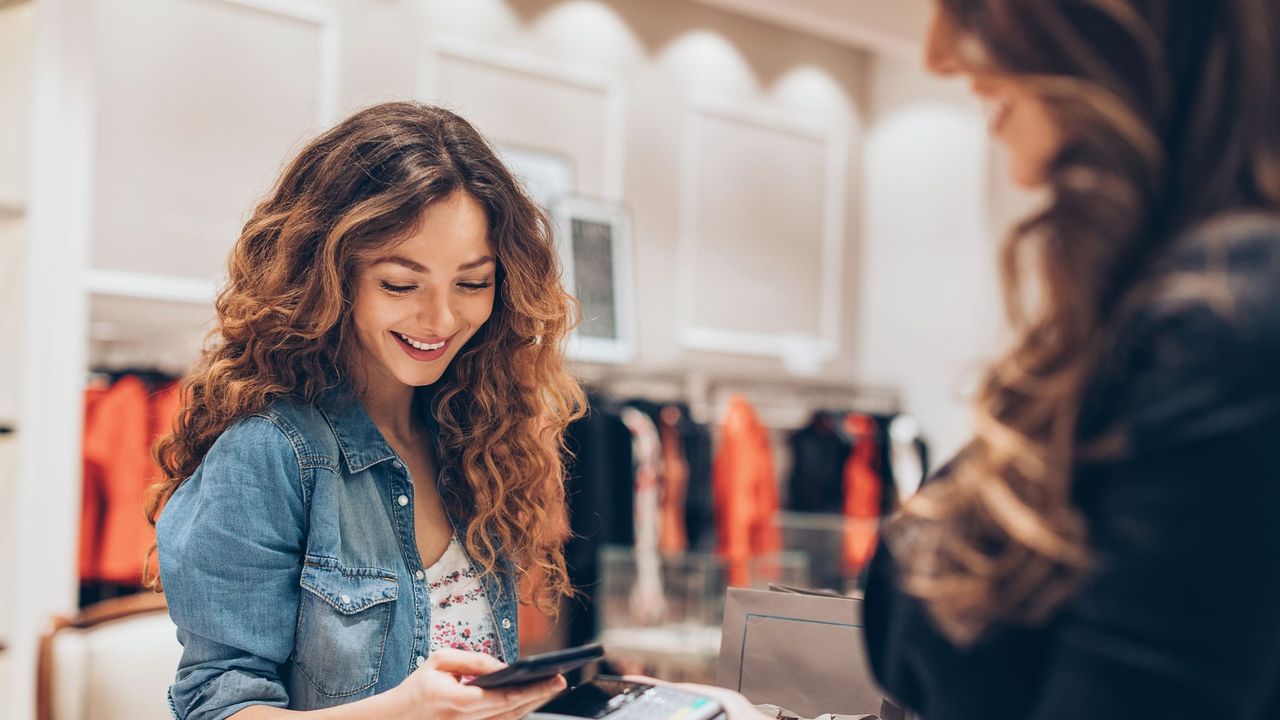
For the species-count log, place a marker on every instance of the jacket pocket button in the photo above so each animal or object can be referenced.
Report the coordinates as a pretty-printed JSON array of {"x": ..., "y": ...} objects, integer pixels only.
[{"x": 506, "y": 623}]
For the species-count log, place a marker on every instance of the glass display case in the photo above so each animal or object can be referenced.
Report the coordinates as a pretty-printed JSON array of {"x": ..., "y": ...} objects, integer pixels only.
[{"x": 662, "y": 615}]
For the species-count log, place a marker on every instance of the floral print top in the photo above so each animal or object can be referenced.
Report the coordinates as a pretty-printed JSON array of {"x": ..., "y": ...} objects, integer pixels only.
[{"x": 460, "y": 614}]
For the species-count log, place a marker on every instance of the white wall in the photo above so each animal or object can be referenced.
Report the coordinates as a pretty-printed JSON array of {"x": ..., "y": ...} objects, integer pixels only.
[
  {"x": 15, "y": 104},
  {"x": 15, "y": 183},
  {"x": 725, "y": 238},
  {"x": 888, "y": 28},
  {"x": 734, "y": 145},
  {"x": 928, "y": 311},
  {"x": 15, "y": 161}
]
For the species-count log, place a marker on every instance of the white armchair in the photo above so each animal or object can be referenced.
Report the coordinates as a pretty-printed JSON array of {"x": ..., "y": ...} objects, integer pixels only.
[{"x": 113, "y": 661}]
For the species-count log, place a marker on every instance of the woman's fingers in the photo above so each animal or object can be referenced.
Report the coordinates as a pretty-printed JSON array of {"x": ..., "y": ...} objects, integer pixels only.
[
  {"x": 462, "y": 662},
  {"x": 533, "y": 704},
  {"x": 499, "y": 702}
]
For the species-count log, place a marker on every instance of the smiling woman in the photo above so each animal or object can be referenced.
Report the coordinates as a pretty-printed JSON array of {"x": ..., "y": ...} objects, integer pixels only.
[{"x": 379, "y": 421}]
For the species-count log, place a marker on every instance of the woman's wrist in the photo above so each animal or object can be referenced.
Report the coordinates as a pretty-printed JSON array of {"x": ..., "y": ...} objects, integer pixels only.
[{"x": 399, "y": 701}]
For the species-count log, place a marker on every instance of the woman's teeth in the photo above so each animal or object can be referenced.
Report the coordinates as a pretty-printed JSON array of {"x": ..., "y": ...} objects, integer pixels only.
[{"x": 420, "y": 346}]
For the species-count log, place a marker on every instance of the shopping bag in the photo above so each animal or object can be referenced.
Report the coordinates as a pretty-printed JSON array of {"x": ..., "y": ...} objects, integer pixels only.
[{"x": 799, "y": 651}]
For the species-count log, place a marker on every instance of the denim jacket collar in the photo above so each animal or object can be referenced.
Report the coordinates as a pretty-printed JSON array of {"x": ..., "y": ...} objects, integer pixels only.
[{"x": 361, "y": 443}]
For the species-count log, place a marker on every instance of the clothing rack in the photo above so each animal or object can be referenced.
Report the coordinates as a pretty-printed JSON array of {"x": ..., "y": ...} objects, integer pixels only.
[
  {"x": 148, "y": 374},
  {"x": 784, "y": 402}
]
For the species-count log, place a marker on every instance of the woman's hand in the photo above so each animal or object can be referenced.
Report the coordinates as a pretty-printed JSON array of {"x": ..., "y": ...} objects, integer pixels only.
[
  {"x": 436, "y": 691},
  {"x": 735, "y": 705}
]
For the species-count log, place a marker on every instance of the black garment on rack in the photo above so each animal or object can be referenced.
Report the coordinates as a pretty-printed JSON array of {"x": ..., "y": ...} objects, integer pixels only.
[
  {"x": 99, "y": 590},
  {"x": 922, "y": 449},
  {"x": 152, "y": 377},
  {"x": 699, "y": 510},
  {"x": 888, "y": 484},
  {"x": 819, "y": 452},
  {"x": 600, "y": 489}
]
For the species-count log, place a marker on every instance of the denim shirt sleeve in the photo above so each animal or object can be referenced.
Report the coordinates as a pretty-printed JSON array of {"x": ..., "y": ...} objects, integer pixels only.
[{"x": 231, "y": 544}]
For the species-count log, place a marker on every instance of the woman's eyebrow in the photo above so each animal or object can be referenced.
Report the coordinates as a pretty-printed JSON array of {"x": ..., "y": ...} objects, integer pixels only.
[
  {"x": 476, "y": 263},
  {"x": 402, "y": 261},
  {"x": 418, "y": 268}
]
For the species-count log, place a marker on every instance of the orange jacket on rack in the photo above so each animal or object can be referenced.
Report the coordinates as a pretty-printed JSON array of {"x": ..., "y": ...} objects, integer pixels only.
[
  {"x": 121, "y": 424},
  {"x": 863, "y": 487},
  {"x": 745, "y": 491},
  {"x": 116, "y": 443},
  {"x": 93, "y": 502}
]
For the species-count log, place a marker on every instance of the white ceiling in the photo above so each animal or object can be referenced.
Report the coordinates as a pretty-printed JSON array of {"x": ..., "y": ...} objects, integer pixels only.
[{"x": 894, "y": 27}]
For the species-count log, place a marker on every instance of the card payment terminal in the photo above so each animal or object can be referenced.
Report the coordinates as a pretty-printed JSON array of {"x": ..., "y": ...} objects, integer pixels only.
[{"x": 611, "y": 698}]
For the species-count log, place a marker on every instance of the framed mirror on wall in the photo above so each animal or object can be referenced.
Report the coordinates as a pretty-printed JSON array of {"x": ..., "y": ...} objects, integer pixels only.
[
  {"x": 594, "y": 239},
  {"x": 596, "y": 250}
]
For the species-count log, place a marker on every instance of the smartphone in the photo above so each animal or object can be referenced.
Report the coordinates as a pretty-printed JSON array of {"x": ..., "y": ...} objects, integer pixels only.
[{"x": 540, "y": 667}]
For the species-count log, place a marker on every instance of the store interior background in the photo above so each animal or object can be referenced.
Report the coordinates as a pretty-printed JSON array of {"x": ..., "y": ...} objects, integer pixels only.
[{"x": 808, "y": 209}]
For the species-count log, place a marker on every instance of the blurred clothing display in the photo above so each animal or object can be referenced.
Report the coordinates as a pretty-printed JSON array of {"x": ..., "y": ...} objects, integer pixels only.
[
  {"x": 746, "y": 491},
  {"x": 858, "y": 466},
  {"x": 600, "y": 495},
  {"x": 643, "y": 483},
  {"x": 909, "y": 455},
  {"x": 647, "y": 599},
  {"x": 863, "y": 490},
  {"x": 686, "y": 476},
  {"x": 819, "y": 452},
  {"x": 124, "y": 417},
  {"x": 674, "y": 536}
]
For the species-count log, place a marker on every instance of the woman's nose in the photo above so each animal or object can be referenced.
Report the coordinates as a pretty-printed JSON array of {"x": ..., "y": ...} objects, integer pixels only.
[{"x": 436, "y": 315}]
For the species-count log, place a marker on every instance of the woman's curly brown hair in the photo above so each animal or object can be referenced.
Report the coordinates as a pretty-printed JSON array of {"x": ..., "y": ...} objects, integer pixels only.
[{"x": 286, "y": 330}]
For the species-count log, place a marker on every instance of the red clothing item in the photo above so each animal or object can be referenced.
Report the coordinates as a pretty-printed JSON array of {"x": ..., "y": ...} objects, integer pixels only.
[
  {"x": 116, "y": 442},
  {"x": 92, "y": 500},
  {"x": 673, "y": 538},
  {"x": 121, "y": 425},
  {"x": 863, "y": 488},
  {"x": 744, "y": 492}
]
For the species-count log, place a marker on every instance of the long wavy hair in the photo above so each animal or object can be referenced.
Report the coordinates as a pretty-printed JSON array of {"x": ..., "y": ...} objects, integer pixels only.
[
  {"x": 1169, "y": 110},
  {"x": 286, "y": 329}
]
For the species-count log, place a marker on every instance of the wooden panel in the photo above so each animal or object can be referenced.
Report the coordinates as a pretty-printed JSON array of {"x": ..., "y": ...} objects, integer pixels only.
[{"x": 762, "y": 209}]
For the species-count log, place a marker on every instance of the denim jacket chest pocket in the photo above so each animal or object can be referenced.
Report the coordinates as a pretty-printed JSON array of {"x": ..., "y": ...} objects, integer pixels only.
[{"x": 344, "y": 615}]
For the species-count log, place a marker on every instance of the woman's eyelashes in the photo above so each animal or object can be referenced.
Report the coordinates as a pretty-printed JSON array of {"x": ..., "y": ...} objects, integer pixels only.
[
  {"x": 397, "y": 289},
  {"x": 475, "y": 286}
]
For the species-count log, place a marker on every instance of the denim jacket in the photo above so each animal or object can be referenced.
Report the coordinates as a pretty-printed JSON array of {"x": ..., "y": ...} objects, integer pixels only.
[{"x": 291, "y": 568}]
